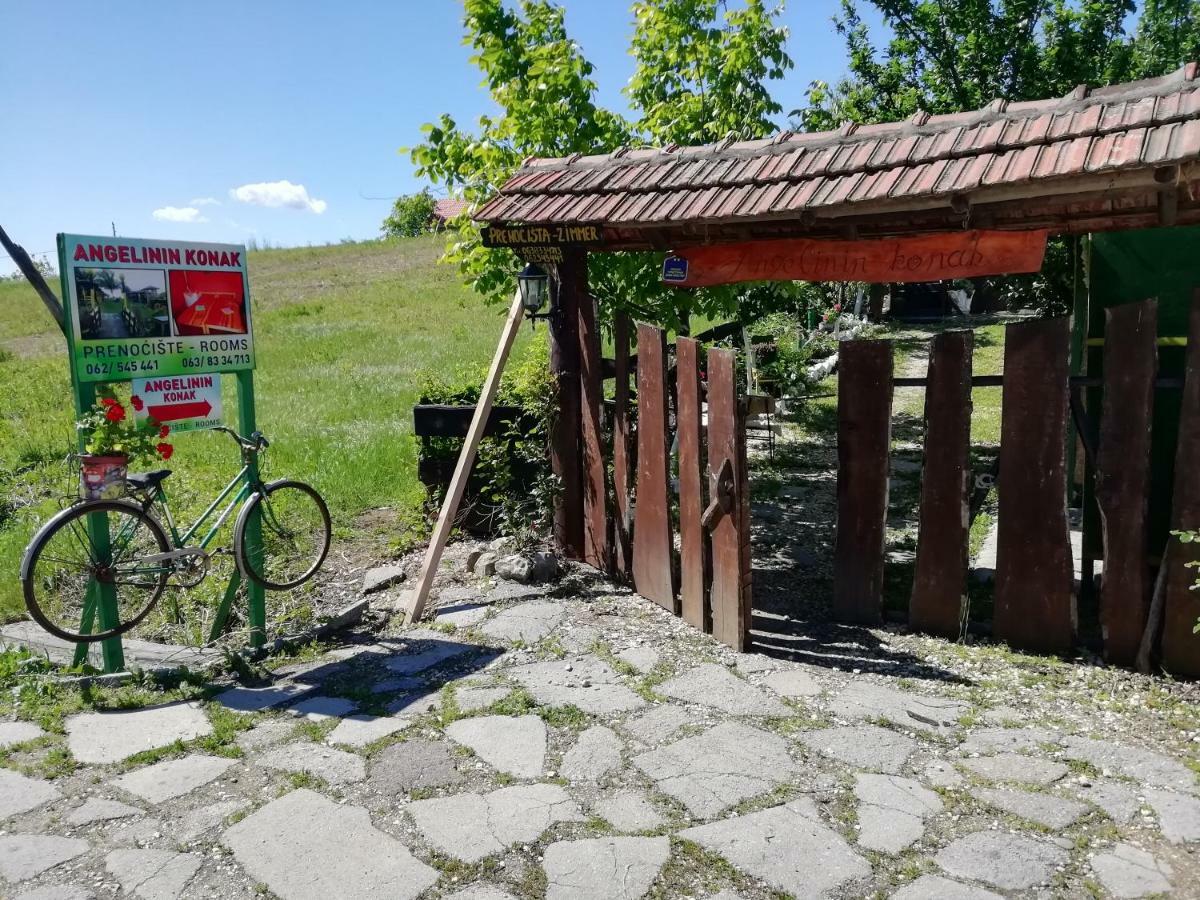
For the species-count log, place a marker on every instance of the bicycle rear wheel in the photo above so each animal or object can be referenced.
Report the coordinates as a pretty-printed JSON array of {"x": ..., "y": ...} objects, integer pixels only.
[
  {"x": 71, "y": 559},
  {"x": 295, "y": 535}
]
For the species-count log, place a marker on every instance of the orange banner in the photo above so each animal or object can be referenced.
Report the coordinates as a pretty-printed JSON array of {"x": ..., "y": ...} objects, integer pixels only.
[{"x": 934, "y": 257}]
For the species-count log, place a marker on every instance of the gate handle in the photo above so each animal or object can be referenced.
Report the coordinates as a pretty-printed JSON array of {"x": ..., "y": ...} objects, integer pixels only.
[{"x": 722, "y": 502}]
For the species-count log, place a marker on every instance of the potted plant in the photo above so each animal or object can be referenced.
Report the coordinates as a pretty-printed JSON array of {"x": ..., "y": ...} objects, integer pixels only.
[{"x": 114, "y": 440}]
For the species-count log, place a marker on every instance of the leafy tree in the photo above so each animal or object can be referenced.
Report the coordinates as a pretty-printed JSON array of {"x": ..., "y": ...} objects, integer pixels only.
[
  {"x": 410, "y": 215},
  {"x": 546, "y": 99}
]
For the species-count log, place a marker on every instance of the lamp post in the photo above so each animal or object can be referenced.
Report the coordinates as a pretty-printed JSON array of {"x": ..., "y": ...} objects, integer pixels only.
[{"x": 534, "y": 284}]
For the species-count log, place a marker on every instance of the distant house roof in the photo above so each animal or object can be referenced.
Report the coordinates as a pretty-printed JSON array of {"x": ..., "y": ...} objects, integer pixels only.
[
  {"x": 449, "y": 208},
  {"x": 1103, "y": 155}
]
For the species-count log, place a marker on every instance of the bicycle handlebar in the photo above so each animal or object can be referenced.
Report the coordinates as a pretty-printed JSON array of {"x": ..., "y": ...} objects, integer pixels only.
[{"x": 256, "y": 441}]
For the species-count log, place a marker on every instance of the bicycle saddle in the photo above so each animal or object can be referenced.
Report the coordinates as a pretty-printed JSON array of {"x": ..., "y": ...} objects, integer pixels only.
[{"x": 143, "y": 480}]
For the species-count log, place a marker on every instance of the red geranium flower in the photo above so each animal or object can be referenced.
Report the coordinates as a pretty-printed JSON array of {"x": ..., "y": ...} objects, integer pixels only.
[
  {"x": 108, "y": 401},
  {"x": 136, "y": 402},
  {"x": 164, "y": 431},
  {"x": 165, "y": 450},
  {"x": 115, "y": 412}
]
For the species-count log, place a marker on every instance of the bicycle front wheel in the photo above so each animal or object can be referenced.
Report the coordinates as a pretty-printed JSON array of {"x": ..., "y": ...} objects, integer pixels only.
[
  {"x": 295, "y": 531},
  {"x": 89, "y": 551}
]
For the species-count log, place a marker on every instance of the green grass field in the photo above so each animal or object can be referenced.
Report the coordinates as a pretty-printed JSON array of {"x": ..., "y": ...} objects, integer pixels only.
[{"x": 341, "y": 333}]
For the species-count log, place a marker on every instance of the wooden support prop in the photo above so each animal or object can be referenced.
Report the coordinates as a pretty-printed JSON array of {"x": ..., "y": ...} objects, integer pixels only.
[
  {"x": 727, "y": 516},
  {"x": 864, "y": 448},
  {"x": 18, "y": 255},
  {"x": 1123, "y": 475},
  {"x": 1180, "y": 646},
  {"x": 415, "y": 602},
  {"x": 1035, "y": 604},
  {"x": 653, "y": 572},
  {"x": 570, "y": 286},
  {"x": 940, "y": 580},
  {"x": 623, "y": 503},
  {"x": 693, "y": 556},
  {"x": 591, "y": 388}
]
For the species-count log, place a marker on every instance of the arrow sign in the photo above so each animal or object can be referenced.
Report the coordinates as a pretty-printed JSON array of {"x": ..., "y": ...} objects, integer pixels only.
[
  {"x": 176, "y": 411},
  {"x": 185, "y": 402}
]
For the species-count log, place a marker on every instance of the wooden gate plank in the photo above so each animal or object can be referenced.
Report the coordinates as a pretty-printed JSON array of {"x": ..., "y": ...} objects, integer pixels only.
[
  {"x": 595, "y": 493},
  {"x": 1035, "y": 603},
  {"x": 1181, "y": 648},
  {"x": 1123, "y": 474},
  {"x": 652, "y": 545},
  {"x": 731, "y": 532},
  {"x": 940, "y": 579},
  {"x": 623, "y": 506},
  {"x": 864, "y": 446},
  {"x": 692, "y": 555}
]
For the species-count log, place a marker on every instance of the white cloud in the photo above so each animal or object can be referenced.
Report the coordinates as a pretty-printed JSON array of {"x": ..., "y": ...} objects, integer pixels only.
[
  {"x": 205, "y": 201},
  {"x": 278, "y": 193},
  {"x": 179, "y": 214}
]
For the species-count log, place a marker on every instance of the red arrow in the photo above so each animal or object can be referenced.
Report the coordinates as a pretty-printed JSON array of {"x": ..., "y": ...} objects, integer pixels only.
[{"x": 175, "y": 412}]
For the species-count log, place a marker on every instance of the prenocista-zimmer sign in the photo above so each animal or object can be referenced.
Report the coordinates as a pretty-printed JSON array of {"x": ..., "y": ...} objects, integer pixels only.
[{"x": 146, "y": 308}]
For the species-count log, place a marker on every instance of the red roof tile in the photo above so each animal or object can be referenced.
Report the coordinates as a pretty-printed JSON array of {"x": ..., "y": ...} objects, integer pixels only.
[
  {"x": 448, "y": 208},
  {"x": 1115, "y": 129}
]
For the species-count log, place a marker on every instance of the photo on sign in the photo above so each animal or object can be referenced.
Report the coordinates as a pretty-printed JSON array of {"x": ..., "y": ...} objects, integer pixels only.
[
  {"x": 208, "y": 302},
  {"x": 121, "y": 303}
]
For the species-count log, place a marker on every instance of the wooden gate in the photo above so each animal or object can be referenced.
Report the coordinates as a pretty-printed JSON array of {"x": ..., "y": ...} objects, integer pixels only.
[
  {"x": 701, "y": 571},
  {"x": 1035, "y": 603}
]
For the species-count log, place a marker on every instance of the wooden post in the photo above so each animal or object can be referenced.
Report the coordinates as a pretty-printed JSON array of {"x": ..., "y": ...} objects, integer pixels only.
[
  {"x": 864, "y": 451},
  {"x": 623, "y": 512},
  {"x": 728, "y": 512},
  {"x": 653, "y": 571},
  {"x": 1123, "y": 474},
  {"x": 591, "y": 387},
  {"x": 940, "y": 579},
  {"x": 18, "y": 255},
  {"x": 1035, "y": 605},
  {"x": 569, "y": 283},
  {"x": 1180, "y": 645},
  {"x": 693, "y": 559},
  {"x": 415, "y": 602}
]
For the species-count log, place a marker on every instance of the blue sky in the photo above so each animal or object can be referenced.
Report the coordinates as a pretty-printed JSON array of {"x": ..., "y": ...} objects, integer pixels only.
[{"x": 114, "y": 110}]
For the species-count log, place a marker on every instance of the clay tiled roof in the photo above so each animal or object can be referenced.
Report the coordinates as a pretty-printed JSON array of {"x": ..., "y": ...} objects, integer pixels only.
[
  {"x": 1105, "y": 136},
  {"x": 448, "y": 208}
]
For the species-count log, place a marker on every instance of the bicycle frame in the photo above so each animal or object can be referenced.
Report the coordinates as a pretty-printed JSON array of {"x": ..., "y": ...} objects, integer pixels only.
[{"x": 159, "y": 499}]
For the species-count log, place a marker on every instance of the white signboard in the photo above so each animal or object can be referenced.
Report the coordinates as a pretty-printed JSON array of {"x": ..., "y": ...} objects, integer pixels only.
[{"x": 182, "y": 402}]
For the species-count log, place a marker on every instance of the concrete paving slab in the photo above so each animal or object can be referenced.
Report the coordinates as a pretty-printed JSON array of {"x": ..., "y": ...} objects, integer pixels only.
[
  {"x": 1017, "y": 768},
  {"x": 715, "y": 686},
  {"x": 793, "y": 683},
  {"x": 1044, "y": 809},
  {"x": 892, "y": 811},
  {"x": 321, "y": 709},
  {"x": 935, "y": 887},
  {"x": 14, "y": 733},
  {"x": 596, "y": 753},
  {"x": 20, "y": 793},
  {"x": 244, "y": 699},
  {"x": 583, "y": 681},
  {"x": 786, "y": 846},
  {"x": 515, "y": 745},
  {"x": 98, "y": 809},
  {"x": 863, "y": 700},
  {"x": 528, "y": 622},
  {"x": 414, "y": 764},
  {"x": 1178, "y": 816},
  {"x": 1147, "y": 766},
  {"x": 473, "y": 699},
  {"x": 152, "y": 874},
  {"x": 173, "y": 777},
  {"x": 22, "y": 856},
  {"x": 360, "y": 730},
  {"x": 345, "y": 857},
  {"x": 1128, "y": 871},
  {"x": 629, "y": 811},
  {"x": 471, "y": 827},
  {"x": 56, "y": 892},
  {"x": 713, "y": 771},
  {"x": 642, "y": 658},
  {"x": 1008, "y": 861},
  {"x": 327, "y": 763},
  {"x": 658, "y": 724},
  {"x": 107, "y": 737},
  {"x": 987, "y": 741},
  {"x": 610, "y": 868},
  {"x": 863, "y": 746}
]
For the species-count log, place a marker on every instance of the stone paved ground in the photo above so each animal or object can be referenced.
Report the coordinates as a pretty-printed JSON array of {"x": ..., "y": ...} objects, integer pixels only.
[{"x": 588, "y": 745}]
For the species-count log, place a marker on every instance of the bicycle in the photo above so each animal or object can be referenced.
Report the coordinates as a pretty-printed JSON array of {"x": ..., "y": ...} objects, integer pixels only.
[{"x": 98, "y": 546}]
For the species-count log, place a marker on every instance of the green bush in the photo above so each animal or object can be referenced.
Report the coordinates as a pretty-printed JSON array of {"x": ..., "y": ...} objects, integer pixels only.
[
  {"x": 512, "y": 488},
  {"x": 410, "y": 216}
]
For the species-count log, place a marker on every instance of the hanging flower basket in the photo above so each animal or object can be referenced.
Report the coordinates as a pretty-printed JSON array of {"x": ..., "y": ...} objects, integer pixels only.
[{"x": 102, "y": 477}]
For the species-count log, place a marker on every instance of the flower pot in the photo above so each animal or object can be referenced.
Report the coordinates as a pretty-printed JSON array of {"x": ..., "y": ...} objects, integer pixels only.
[{"x": 102, "y": 477}]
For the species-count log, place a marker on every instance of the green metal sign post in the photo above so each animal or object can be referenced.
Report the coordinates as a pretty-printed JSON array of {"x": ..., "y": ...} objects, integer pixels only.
[{"x": 157, "y": 309}]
